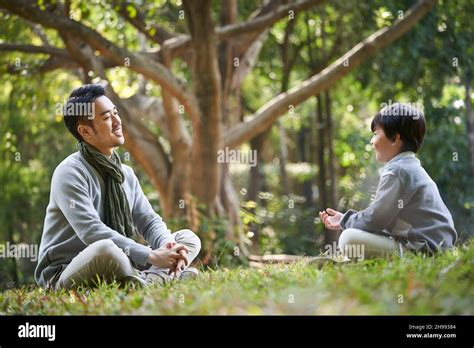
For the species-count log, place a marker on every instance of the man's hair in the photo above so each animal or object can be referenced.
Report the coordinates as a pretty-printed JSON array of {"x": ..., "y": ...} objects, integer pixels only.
[
  {"x": 79, "y": 108},
  {"x": 401, "y": 119}
]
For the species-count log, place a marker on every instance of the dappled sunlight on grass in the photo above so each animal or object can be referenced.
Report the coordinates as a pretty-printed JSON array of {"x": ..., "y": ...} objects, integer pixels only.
[{"x": 411, "y": 285}]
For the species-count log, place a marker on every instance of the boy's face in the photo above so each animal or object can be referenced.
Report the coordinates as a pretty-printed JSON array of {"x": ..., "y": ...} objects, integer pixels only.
[
  {"x": 385, "y": 149},
  {"x": 107, "y": 131}
]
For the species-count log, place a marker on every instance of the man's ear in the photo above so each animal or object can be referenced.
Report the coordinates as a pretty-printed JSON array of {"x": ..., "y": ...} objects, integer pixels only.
[{"x": 84, "y": 131}]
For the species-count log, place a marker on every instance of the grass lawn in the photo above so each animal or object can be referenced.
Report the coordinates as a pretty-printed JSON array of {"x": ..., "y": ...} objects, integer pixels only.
[{"x": 411, "y": 285}]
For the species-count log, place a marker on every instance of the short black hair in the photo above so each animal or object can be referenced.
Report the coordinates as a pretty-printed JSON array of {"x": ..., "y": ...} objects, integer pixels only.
[
  {"x": 402, "y": 119},
  {"x": 79, "y": 107}
]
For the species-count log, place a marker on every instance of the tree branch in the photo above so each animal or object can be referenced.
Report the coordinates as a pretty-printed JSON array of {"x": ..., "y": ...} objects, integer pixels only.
[
  {"x": 179, "y": 138},
  {"x": 262, "y": 22},
  {"x": 60, "y": 52},
  {"x": 178, "y": 45},
  {"x": 38, "y": 30},
  {"x": 121, "y": 56},
  {"x": 248, "y": 46},
  {"x": 52, "y": 63},
  {"x": 175, "y": 44},
  {"x": 248, "y": 61},
  {"x": 149, "y": 109},
  {"x": 277, "y": 106},
  {"x": 154, "y": 33}
]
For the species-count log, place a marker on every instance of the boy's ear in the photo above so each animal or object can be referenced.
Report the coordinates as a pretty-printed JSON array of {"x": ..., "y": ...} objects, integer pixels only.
[{"x": 397, "y": 139}]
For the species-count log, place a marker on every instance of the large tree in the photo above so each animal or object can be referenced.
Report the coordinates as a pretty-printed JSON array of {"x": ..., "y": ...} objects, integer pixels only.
[{"x": 203, "y": 117}]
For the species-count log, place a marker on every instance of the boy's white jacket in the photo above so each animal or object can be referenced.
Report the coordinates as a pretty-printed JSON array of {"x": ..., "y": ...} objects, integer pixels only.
[{"x": 407, "y": 206}]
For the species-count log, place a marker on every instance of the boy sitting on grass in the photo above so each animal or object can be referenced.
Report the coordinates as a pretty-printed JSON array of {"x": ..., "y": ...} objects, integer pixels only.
[{"x": 407, "y": 212}]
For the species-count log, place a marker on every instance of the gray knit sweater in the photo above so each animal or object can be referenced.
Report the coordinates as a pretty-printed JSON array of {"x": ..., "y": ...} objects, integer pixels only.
[
  {"x": 75, "y": 213},
  {"x": 407, "y": 206}
]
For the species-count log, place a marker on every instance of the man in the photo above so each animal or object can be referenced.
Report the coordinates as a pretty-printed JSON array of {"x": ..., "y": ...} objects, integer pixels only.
[{"x": 98, "y": 217}]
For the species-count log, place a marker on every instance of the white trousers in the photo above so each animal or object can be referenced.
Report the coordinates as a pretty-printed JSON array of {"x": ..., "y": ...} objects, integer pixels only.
[{"x": 353, "y": 241}]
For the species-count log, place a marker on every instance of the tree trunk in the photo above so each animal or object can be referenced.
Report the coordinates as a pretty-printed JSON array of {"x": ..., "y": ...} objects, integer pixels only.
[
  {"x": 469, "y": 120},
  {"x": 323, "y": 201},
  {"x": 331, "y": 236},
  {"x": 283, "y": 159},
  {"x": 303, "y": 147},
  {"x": 322, "y": 174},
  {"x": 331, "y": 158},
  {"x": 206, "y": 180},
  {"x": 256, "y": 173}
]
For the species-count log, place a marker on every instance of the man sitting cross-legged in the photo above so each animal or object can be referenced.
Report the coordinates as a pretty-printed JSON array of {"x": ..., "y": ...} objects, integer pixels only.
[{"x": 98, "y": 219}]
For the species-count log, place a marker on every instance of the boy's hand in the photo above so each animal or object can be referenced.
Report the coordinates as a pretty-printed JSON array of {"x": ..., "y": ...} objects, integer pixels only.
[{"x": 331, "y": 219}]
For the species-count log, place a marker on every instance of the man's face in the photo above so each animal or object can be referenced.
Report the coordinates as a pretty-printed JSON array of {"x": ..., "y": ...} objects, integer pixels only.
[{"x": 107, "y": 131}]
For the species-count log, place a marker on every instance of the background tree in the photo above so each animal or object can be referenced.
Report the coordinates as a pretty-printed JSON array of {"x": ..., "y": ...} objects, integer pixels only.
[{"x": 182, "y": 77}]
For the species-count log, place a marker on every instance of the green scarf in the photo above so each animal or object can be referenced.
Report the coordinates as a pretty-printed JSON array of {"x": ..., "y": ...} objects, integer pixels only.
[{"x": 117, "y": 212}]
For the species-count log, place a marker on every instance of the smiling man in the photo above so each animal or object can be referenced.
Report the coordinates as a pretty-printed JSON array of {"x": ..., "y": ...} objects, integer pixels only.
[{"x": 99, "y": 224}]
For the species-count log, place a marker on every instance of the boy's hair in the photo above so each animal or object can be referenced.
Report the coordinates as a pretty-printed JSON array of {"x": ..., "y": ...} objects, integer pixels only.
[
  {"x": 402, "y": 119},
  {"x": 79, "y": 108}
]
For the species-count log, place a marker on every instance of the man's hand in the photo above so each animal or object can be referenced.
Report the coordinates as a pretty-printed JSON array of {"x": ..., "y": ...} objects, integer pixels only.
[
  {"x": 331, "y": 219},
  {"x": 165, "y": 257},
  {"x": 182, "y": 263}
]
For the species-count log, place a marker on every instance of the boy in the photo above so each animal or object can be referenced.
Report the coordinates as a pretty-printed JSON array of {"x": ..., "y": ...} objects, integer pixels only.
[
  {"x": 98, "y": 216},
  {"x": 407, "y": 212}
]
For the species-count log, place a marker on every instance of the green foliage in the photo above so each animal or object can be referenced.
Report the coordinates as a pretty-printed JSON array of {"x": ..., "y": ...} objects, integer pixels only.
[
  {"x": 445, "y": 155},
  {"x": 31, "y": 145},
  {"x": 216, "y": 248},
  {"x": 284, "y": 225}
]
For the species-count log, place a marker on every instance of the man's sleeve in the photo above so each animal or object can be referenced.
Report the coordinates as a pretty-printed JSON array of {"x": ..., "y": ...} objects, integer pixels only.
[
  {"x": 389, "y": 201},
  {"x": 70, "y": 191},
  {"x": 148, "y": 222}
]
